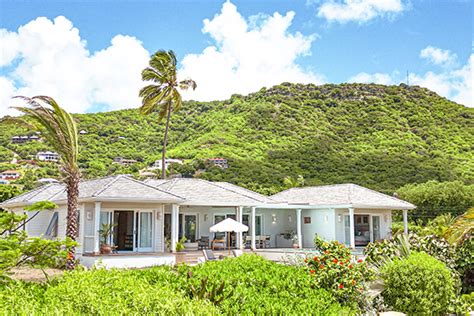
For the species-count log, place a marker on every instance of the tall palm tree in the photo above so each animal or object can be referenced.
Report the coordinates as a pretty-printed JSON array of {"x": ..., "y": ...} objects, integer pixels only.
[
  {"x": 59, "y": 129},
  {"x": 461, "y": 229},
  {"x": 163, "y": 94}
]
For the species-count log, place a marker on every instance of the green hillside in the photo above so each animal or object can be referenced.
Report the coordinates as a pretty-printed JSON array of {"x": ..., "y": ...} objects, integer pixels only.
[{"x": 378, "y": 136}]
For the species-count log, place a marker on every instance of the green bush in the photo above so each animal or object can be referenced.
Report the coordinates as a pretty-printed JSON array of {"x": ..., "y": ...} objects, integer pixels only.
[
  {"x": 418, "y": 284},
  {"x": 252, "y": 285},
  {"x": 260, "y": 286}
]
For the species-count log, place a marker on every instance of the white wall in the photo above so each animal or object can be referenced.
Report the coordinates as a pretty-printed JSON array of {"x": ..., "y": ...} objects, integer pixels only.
[{"x": 322, "y": 223}]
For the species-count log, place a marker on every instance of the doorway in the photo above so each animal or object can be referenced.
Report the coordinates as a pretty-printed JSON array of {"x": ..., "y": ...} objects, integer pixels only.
[{"x": 123, "y": 230}]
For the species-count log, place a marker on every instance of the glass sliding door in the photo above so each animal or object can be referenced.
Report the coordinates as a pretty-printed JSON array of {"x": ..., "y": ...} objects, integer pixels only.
[
  {"x": 190, "y": 227},
  {"x": 145, "y": 230},
  {"x": 375, "y": 227}
]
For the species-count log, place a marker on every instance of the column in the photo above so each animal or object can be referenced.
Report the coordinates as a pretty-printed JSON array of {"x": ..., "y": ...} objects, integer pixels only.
[
  {"x": 97, "y": 227},
  {"x": 351, "y": 226},
  {"x": 82, "y": 223},
  {"x": 405, "y": 222},
  {"x": 239, "y": 215},
  {"x": 253, "y": 244},
  {"x": 299, "y": 234},
  {"x": 174, "y": 226}
]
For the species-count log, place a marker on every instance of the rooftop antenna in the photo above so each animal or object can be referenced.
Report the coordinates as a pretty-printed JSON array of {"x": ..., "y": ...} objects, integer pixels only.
[{"x": 408, "y": 77}]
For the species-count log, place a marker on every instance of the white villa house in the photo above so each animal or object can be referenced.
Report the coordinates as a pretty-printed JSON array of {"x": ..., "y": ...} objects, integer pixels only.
[
  {"x": 47, "y": 156},
  {"x": 146, "y": 213}
]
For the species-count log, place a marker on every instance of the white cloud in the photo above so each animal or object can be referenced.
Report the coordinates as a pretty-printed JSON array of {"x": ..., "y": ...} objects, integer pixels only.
[
  {"x": 453, "y": 83},
  {"x": 361, "y": 11},
  {"x": 379, "y": 78},
  {"x": 438, "y": 56},
  {"x": 247, "y": 55},
  {"x": 52, "y": 59}
]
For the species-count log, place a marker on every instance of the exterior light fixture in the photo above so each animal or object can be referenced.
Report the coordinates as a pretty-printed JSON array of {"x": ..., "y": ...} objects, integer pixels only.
[
  {"x": 339, "y": 218},
  {"x": 274, "y": 219},
  {"x": 290, "y": 219}
]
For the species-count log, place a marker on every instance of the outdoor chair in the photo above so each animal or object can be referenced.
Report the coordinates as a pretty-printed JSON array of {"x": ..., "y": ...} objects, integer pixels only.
[
  {"x": 218, "y": 243},
  {"x": 209, "y": 255},
  {"x": 203, "y": 243},
  {"x": 237, "y": 252}
]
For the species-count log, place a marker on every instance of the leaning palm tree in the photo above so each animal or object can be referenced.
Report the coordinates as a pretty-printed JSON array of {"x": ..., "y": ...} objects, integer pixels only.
[
  {"x": 163, "y": 94},
  {"x": 59, "y": 129},
  {"x": 461, "y": 229}
]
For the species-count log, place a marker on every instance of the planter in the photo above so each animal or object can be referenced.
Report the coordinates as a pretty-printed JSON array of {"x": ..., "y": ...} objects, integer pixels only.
[
  {"x": 105, "y": 249},
  {"x": 295, "y": 246},
  {"x": 180, "y": 257}
]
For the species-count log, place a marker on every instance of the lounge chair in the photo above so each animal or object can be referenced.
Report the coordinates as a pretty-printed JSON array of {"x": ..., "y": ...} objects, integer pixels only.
[
  {"x": 237, "y": 252},
  {"x": 209, "y": 255}
]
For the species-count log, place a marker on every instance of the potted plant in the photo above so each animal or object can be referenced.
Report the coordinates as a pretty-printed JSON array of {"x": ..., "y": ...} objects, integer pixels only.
[
  {"x": 295, "y": 241},
  {"x": 105, "y": 232},
  {"x": 179, "y": 248}
]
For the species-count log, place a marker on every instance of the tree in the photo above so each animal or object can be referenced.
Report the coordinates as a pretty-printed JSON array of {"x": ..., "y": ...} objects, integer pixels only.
[
  {"x": 163, "y": 94},
  {"x": 59, "y": 129},
  {"x": 434, "y": 198},
  {"x": 17, "y": 249}
]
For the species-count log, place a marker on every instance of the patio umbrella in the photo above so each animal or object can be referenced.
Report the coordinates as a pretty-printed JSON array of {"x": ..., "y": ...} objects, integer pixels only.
[{"x": 228, "y": 225}]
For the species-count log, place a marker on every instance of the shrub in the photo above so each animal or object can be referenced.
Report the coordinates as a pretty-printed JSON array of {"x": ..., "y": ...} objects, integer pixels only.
[
  {"x": 252, "y": 285},
  {"x": 336, "y": 271},
  {"x": 418, "y": 284},
  {"x": 259, "y": 286}
]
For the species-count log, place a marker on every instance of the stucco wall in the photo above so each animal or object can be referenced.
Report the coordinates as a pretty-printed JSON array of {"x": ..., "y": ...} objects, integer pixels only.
[{"x": 322, "y": 223}]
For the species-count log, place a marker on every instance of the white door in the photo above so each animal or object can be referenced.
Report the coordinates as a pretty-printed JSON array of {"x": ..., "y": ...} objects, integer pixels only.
[{"x": 144, "y": 231}]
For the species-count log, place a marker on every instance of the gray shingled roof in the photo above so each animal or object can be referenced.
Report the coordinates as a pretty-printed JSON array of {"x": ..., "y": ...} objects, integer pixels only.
[
  {"x": 108, "y": 188},
  {"x": 202, "y": 192},
  {"x": 342, "y": 194}
]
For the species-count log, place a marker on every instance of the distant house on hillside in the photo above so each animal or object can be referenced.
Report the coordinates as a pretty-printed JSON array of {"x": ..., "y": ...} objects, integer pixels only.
[
  {"x": 4, "y": 181},
  {"x": 10, "y": 175},
  {"x": 83, "y": 132},
  {"x": 47, "y": 156},
  {"x": 168, "y": 162},
  {"x": 20, "y": 139},
  {"x": 124, "y": 162},
  {"x": 219, "y": 162},
  {"x": 47, "y": 181}
]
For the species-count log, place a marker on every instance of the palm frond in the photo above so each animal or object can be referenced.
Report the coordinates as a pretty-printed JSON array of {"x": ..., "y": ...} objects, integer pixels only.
[
  {"x": 461, "y": 229},
  {"x": 187, "y": 83}
]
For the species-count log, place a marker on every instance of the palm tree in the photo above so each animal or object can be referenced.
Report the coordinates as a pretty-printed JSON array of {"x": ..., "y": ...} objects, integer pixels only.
[
  {"x": 163, "y": 94},
  {"x": 58, "y": 127},
  {"x": 461, "y": 229}
]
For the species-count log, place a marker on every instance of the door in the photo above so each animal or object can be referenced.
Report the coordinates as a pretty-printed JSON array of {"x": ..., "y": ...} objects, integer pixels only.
[
  {"x": 144, "y": 231},
  {"x": 375, "y": 227},
  {"x": 190, "y": 227},
  {"x": 124, "y": 230}
]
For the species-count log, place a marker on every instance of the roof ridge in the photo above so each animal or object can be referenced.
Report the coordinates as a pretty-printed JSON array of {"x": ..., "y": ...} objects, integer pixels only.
[
  {"x": 213, "y": 183},
  {"x": 248, "y": 190},
  {"x": 115, "y": 178},
  {"x": 152, "y": 187},
  {"x": 383, "y": 194},
  {"x": 38, "y": 189}
]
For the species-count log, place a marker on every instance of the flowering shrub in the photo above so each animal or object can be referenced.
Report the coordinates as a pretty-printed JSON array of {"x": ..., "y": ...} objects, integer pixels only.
[{"x": 336, "y": 271}]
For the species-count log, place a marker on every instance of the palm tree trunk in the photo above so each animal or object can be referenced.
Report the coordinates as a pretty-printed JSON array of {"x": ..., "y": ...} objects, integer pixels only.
[
  {"x": 165, "y": 140},
  {"x": 72, "y": 187}
]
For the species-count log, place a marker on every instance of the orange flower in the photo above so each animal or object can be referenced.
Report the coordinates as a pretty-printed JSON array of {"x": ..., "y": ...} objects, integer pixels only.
[
  {"x": 312, "y": 271},
  {"x": 70, "y": 256},
  {"x": 341, "y": 286},
  {"x": 341, "y": 263},
  {"x": 335, "y": 261},
  {"x": 306, "y": 260},
  {"x": 353, "y": 282},
  {"x": 321, "y": 266},
  {"x": 360, "y": 260},
  {"x": 350, "y": 266}
]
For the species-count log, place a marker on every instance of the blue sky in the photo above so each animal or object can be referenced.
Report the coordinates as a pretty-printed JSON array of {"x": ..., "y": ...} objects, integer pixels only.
[{"x": 318, "y": 41}]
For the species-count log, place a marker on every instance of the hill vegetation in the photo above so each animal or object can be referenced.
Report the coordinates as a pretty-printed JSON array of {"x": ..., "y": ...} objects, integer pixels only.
[{"x": 382, "y": 137}]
